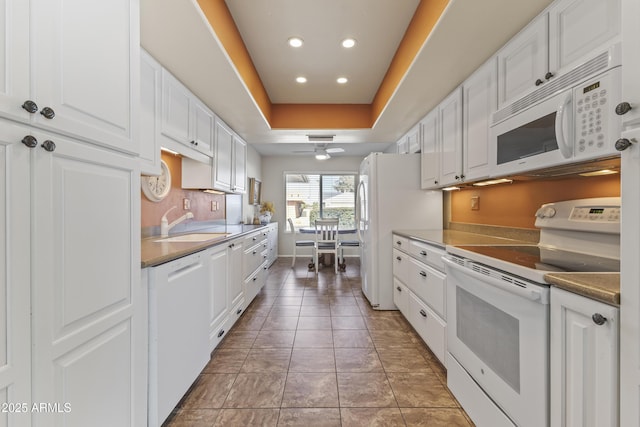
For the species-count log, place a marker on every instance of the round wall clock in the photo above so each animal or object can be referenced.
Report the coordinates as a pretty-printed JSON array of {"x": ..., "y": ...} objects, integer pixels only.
[{"x": 156, "y": 188}]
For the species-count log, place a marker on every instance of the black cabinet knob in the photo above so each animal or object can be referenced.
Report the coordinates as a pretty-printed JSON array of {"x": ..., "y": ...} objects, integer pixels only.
[
  {"x": 30, "y": 141},
  {"x": 48, "y": 113},
  {"x": 49, "y": 145},
  {"x": 623, "y": 143},
  {"x": 423, "y": 274},
  {"x": 539, "y": 82},
  {"x": 423, "y": 313},
  {"x": 598, "y": 319},
  {"x": 221, "y": 333},
  {"x": 623, "y": 108},
  {"x": 30, "y": 106},
  {"x": 399, "y": 288},
  {"x": 548, "y": 75}
]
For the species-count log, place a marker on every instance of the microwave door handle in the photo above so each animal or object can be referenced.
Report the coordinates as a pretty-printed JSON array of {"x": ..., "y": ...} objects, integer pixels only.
[{"x": 564, "y": 143}]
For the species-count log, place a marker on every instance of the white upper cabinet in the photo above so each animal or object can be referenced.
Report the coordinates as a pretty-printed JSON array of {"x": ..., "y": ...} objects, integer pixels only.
[
  {"x": 230, "y": 159},
  {"x": 450, "y": 132},
  {"x": 479, "y": 100},
  {"x": 410, "y": 142},
  {"x": 79, "y": 71},
  {"x": 185, "y": 119},
  {"x": 577, "y": 28},
  {"x": 150, "y": 86},
  {"x": 567, "y": 34},
  {"x": 523, "y": 62},
  {"x": 430, "y": 172}
]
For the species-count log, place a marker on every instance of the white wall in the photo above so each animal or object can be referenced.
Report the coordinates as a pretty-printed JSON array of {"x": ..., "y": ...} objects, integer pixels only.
[
  {"x": 254, "y": 170},
  {"x": 273, "y": 185}
]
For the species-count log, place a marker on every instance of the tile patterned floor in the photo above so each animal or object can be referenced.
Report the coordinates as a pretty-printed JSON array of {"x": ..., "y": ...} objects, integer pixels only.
[{"x": 309, "y": 351}]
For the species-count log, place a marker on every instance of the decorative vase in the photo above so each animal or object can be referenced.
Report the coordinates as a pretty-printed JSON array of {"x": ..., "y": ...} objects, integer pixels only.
[{"x": 265, "y": 218}]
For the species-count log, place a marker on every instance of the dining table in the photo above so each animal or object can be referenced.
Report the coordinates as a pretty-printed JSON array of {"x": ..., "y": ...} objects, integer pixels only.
[{"x": 328, "y": 260}]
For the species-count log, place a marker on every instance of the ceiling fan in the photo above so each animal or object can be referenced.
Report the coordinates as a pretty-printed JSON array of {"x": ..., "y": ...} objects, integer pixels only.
[{"x": 322, "y": 152}]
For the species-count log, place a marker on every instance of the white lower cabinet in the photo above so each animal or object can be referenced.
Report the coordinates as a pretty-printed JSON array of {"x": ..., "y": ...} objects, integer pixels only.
[
  {"x": 419, "y": 290},
  {"x": 178, "y": 331},
  {"x": 584, "y": 361}
]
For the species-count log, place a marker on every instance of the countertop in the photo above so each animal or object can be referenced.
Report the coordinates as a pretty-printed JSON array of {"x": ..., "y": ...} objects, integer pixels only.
[
  {"x": 155, "y": 253},
  {"x": 604, "y": 287},
  {"x": 442, "y": 238}
]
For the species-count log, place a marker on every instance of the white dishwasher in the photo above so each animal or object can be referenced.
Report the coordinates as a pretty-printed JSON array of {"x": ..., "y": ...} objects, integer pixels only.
[{"x": 178, "y": 331}]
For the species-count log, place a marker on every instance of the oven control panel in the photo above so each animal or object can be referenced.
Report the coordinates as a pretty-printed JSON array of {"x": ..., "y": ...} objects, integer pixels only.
[{"x": 595, "y": 215}]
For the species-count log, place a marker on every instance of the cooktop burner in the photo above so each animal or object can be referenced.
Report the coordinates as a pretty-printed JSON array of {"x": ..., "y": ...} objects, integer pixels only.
[{"x": 547, "y": 259}]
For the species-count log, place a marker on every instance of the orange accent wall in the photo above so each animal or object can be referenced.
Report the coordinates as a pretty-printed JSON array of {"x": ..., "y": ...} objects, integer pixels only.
[
  {"x": 424, "y": 19},
  {"x": 322, "y": 116},
  {"x": 200, "y": 201},
  {"x": 514, "y": 205}
]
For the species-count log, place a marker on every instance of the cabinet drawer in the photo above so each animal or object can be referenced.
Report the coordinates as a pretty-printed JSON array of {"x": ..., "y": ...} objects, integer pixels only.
[
  {"x": 428, "y": 284},
  {"x": 430, "y": 327},
  {"x": 253, "y": 257},
  {"x": 427, "y": 253},
  {"x": 401, "y": 296},
  {"x": 401, "y": 265},
  {"x": 217, "y": 334},
  {"x": 254, "y": 283},
  {"x": 401, "y": 243},
  {"x": 254, "y": 238}
]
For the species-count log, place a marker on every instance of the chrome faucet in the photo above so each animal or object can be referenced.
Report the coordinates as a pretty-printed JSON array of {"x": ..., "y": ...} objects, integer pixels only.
[{"x": 164, "y": 223}]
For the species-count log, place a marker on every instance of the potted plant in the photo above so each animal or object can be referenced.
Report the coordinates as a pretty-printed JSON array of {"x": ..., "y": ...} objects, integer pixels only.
[{"x": 266, "y": 211}]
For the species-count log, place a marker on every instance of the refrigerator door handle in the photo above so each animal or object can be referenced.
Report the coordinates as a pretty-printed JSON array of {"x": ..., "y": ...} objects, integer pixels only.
[{"x": 359, "y": 190}]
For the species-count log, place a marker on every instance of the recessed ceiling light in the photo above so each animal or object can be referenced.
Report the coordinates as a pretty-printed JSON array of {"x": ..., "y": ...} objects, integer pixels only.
[
  {"x": 301, "y": 79},
  {"x": 342, "y": 80},
  {"x": 348, "y": 43},
  {"x": 295, "y": 41}
]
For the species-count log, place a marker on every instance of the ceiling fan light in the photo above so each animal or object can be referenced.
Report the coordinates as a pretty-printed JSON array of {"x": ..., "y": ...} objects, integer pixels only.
[
  {"x": 322, "y": 155},
  {"x": 342, "y": 80},
  {"x": 301, "y": 79},
  {"x": 295, "y": 41},
  {"x": 348, "y": 43}
]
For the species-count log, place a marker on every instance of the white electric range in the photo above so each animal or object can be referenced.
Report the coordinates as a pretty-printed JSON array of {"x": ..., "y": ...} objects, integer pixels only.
[{"x": 498, "y": 309}]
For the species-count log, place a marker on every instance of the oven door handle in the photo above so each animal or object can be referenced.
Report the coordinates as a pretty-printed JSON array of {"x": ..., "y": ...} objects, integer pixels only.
[{"x": 530, "y": 294}]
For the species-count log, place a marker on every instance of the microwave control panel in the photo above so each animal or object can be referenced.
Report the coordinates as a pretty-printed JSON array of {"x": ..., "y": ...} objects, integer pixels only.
[{"x": 596, "y": 125}]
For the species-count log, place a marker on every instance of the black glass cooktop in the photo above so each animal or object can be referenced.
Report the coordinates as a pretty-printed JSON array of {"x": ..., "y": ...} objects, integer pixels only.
[{"x": 546, "y": 259}]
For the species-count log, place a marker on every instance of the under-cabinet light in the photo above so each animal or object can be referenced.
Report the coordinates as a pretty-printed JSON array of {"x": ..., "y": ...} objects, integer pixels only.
[
  {"x": 599, "y": 173},
  {"x": 493, "y": 182}
]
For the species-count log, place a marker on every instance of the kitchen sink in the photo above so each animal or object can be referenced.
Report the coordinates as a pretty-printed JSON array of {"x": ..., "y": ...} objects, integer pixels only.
[{"x": 192, "y": 238}]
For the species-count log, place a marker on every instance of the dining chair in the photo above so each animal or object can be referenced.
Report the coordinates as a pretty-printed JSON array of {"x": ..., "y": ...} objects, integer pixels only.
[
  {"x": 342, "y": 264},
  {"x": 299, "y": 243},
  {"x": 326, "y": 239}
]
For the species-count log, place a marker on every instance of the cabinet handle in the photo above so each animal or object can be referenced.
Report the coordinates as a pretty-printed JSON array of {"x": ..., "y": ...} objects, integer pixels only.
[
  {"x": 49, "y": 145},
  {"x": 624, "y": 143},
  {"x": 221, "y": 333},
  {"x": 255, "y": 278},
  {"x": 30, "y": 141},
  {"x": 239, "y": 311},
  {"x": 457, "y": 177},
  {"x": 623, "y": 108},
  {"x": 30, "y": 106},
  {"x": 399, "y": 288},
  {"x": 399, "y": 258},
  {"x": 48, "y": 113},
  {"x": 539, "y": 82},
  {"x": 548, "y": 75},
  {"x": 598, "y": 319},
  {"x": 264, "y": 257},
  {"x": 423, "y": 253},
  {"x": 254, "y": 252},
  {"x": 462, "y": 176},
  {"x": 435, "y": 182},
  {"x": 423, "y": 274},
  {"x": 423, "y": 313},
  {"x": 194, "y": 142},
  {"x": 399, "y": 243},
  {"x": 232, "y": 245}
]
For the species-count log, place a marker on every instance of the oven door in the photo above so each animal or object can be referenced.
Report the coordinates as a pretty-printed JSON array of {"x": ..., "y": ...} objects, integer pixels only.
[{"x": 498, "y": 332}]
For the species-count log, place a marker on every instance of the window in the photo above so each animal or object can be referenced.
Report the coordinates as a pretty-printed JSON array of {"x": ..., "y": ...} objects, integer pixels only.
[{"x": 312, "y": 196}]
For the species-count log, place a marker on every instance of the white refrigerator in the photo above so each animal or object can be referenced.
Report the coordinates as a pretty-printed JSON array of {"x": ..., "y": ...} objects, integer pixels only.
[{"x": 389, "y": 198}]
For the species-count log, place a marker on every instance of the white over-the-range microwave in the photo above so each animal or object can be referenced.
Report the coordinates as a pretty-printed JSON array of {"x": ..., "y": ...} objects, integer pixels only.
[{"x": 571, "y": 120}]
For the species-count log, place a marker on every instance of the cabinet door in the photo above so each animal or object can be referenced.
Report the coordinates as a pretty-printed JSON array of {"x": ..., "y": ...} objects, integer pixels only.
[
  {"x": 239, "y": 165},
  {"x": 413, "y": 140},
  {"x": 14, "y": 58},
  {"x": 450, "y": 133},
  {"x": 203, "y": 127},
  {"x": 150, "y": 86},
  {"x": 523, "y": 61},
  {"x": 480, "y": 100},
  {"x": 403, "y": 145},
  {"x": 89, "y": 315},
  {"x": 235, "y": 272},
  {"x": 217, "y": 260},
  {"x": 584, "y": 361},
  {"x": 223, "y": 157},
  {"x": 175, "y": 109},
  {"x": 401, "y": 297},
  {"x": 577, "y": 28},
  {"x": 15, "y": 323},
  {"x": 86, "y": 66},
  {"x": 429, "y": 159}
]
